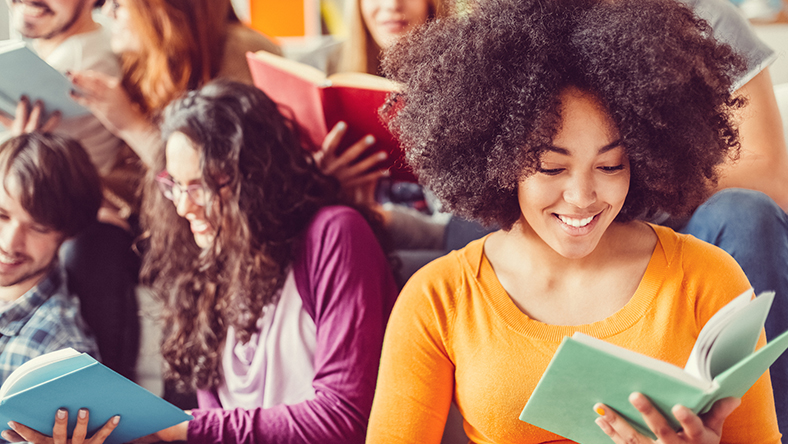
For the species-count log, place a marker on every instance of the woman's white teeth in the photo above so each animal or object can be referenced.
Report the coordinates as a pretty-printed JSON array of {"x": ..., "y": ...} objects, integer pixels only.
[
  {"x": 577, "y": 223},
  {"x": 199, "y": 226}
]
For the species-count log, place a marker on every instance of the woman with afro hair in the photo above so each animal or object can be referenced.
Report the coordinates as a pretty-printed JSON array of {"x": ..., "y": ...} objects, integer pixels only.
[{"x": 567, "y": 124}]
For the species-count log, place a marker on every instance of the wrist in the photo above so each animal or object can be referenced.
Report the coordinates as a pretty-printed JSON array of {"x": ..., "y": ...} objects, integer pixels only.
[{"x": 178, "y": 432}]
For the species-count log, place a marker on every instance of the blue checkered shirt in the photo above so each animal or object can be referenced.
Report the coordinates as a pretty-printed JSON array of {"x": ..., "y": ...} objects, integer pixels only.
[{"x": 44, "y": 319}]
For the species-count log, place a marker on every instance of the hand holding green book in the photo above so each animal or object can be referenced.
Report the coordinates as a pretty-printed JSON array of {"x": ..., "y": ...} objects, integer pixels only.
[{"x": 585, "y": 371}]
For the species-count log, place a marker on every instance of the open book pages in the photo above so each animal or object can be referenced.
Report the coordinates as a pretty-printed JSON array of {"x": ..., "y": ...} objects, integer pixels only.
[
  {"x": 643, "y": 360},
  {"x": 299, "y": 69},
  {"x": 586, "y": 370},
  {"x": 729, "y": 336},
  {"x": 33, "y": 364},
  {"x": 317, "y": 77}
]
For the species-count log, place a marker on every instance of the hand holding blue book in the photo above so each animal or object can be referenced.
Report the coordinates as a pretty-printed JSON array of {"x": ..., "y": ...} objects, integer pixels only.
[
  {"x": 66, "y": 378},
  {"x": 23, "y": 73}
]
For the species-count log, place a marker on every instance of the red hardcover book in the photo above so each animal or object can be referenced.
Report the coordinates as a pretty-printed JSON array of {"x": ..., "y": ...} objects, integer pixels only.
[{"x": 318, "y": 102}]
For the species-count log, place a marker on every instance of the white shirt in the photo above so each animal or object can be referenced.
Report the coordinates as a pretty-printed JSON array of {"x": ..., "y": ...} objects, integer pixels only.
[
  {"x": 277, "y": 365},
  {"x": 82, "y": 52}
]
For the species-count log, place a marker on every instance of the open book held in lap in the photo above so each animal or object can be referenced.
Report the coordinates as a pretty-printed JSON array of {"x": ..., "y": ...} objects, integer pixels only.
[{"x": 586, "y": 370}]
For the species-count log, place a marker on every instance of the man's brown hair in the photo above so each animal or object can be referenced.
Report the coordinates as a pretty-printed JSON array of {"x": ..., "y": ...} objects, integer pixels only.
[{"x": 58, "y": 185}]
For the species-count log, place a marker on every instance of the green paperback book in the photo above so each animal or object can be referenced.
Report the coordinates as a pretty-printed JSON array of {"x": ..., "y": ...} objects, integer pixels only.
[
  {"x": 586, "y": 370},
  {"x": 66, "y": 378}
]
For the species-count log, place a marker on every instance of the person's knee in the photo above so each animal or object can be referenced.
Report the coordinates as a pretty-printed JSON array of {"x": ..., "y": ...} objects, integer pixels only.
[{"x": 743, "y": 211}]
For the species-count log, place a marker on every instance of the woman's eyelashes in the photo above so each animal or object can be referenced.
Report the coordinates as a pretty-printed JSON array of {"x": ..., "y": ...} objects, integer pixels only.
[
  {"x": 556, "y": 171},
  {"x": 550, "y": 171},
  {"x": 612, "y": 169}
]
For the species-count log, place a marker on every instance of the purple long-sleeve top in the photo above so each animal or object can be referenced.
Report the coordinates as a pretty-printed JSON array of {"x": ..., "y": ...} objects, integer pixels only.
[{"x": 347, "y": 288}]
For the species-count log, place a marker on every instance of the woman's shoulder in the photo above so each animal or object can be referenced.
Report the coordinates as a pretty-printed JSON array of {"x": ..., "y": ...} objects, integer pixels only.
[
  {"x": 338, "y": 217},
  {"x": 687, "y": 246},
  {"x": 240, "y": 40},
  {"x": 697, "y": 259},
  {"x": 730, "y": 26},
  {"x": 449, "y": 273},
  {"x": 337, "y": 227}
]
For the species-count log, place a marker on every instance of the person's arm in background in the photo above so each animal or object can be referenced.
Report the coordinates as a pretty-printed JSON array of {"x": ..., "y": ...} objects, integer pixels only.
[
  {"x": 358, "y": 173},
  {"x": 106, "y": 98},
  {"x": 763, "y": 163}
]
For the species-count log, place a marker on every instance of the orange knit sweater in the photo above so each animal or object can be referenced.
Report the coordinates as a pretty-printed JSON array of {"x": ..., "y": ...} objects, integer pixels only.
[{"x": 455, "y": 334}]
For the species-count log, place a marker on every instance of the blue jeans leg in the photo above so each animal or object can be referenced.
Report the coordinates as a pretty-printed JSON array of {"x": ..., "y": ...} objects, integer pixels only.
[{"x": 754, "y": 230}]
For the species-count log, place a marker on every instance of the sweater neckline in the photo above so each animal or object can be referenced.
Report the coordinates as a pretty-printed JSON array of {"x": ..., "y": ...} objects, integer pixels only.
[{"x": 621, "y": 320}]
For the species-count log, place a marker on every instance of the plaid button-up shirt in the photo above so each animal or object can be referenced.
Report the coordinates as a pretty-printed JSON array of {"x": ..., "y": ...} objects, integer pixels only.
[{"x": 44, "y": 319}]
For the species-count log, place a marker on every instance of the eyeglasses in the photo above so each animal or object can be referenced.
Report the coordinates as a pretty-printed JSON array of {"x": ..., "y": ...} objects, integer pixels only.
[{"x": 173, "y": 191}]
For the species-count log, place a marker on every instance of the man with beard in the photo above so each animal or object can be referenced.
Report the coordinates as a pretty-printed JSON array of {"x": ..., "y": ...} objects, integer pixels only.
[
  {"x": 49, "y": 192},
  {"x": 101, "y": 266}
]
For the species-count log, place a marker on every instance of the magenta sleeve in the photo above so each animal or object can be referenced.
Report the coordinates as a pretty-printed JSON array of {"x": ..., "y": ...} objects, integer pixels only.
[{"x": 349, "y": 292}]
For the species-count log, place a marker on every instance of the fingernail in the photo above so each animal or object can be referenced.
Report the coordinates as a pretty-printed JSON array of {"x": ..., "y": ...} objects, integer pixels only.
[
  {"x": 116, "y": 419},
  {"x": 370, "y": 139},
  {"x": 600, "y": 411},
  {"x": 341, "y": 126},
  {"x": 12, "y": 424},
  {"x": 61, "y": 413},
  {"x": 386, "y": 173},
  {"x": 382, "y": 155},
  {"x": 83, "y": 413}
]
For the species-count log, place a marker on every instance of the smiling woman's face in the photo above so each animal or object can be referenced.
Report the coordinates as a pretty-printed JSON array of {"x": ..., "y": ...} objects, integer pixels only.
[
  {"x": 387, "y": 20},
  {"x": 582, "y": 180},
  {"x": 183, "y": 166}
]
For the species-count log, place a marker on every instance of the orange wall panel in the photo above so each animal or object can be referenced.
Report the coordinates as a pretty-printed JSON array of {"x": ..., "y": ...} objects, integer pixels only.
[{"x": 280, "y": 18}]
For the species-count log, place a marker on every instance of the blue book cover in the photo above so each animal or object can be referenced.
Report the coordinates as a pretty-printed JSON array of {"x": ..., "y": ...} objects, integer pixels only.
[
  {"x": 22, "y": 72},
  {"x": 32, "y": 395}
]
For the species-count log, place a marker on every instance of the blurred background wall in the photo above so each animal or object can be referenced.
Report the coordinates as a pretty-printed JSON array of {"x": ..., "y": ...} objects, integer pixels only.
[{"x": 295, "y": 22}]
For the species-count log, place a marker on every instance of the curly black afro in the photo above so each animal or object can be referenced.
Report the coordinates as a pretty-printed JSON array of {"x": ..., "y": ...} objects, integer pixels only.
[{"x": 480, "y": 91}]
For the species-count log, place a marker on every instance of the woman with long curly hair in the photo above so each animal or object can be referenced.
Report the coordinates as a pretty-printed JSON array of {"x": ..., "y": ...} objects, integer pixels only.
[
  {"x": 167, "y": 47},
  {"x": 565, "y": 123},
  {"x": 276, "y": 295}
]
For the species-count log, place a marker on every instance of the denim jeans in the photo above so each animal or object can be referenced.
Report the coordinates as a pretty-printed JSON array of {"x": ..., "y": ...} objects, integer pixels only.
[{"x": 754, "y": 230}]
